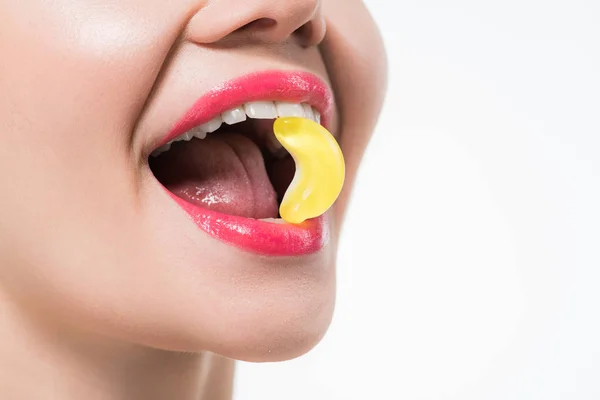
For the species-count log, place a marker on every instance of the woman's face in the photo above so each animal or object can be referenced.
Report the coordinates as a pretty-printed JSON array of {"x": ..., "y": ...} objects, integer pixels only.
[{"x": 97, "y": 234}]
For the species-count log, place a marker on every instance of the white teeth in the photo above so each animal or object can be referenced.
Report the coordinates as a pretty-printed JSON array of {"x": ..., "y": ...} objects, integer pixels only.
[
  {"x": 308, "y": 111},
  {"x": 289, "y": 109},
  {"x": 257, "y": 110},
  {"x": 234, "y": 116},
  {"x": 212, "y": 125},
  {"x": 198, "y": 132},
  {"x": 261, "y": 110}
]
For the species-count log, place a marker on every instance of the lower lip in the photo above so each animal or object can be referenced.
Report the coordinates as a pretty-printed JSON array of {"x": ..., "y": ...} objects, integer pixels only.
[{"x": 257, "y": 236}]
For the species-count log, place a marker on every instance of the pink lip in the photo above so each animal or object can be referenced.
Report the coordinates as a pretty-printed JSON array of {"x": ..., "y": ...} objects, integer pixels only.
[
  {"x": 259, "y": 236},
  {"x": 245, "y": 233},
  {"x": 298, "y": 87}
]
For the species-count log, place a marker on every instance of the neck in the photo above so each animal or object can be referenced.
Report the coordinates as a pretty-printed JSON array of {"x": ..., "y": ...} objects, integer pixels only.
[{"x": 39, "y": 361}]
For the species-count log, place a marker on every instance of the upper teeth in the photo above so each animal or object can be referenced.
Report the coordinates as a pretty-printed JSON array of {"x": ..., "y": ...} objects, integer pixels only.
[{"x": 256, "y": 110}]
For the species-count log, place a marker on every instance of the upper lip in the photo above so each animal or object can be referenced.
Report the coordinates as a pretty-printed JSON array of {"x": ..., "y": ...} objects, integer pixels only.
[{"x": 291, "y": 86}]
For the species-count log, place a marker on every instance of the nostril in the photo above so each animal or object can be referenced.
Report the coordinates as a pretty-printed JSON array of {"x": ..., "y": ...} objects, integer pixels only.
[
  {"x": 305, "y": 31},
  {"x": 308, "y": 34},
  {"x": 265, "y": 23},
  {"x": 269, "y": 22},
  {"x": 259, "y": 25}
]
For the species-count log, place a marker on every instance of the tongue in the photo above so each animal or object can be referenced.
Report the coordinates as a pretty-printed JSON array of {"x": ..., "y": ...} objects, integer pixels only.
[{"x": 224, "y": 172}]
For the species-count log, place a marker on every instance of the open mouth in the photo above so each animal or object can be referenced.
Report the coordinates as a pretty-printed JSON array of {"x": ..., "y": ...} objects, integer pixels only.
[
  {"x": 232, "y": 164},
  {"x": 223, "y": 166}
]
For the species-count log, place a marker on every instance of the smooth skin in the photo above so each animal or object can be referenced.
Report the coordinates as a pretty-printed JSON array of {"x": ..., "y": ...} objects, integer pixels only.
[{"x": 107, "y": 290}]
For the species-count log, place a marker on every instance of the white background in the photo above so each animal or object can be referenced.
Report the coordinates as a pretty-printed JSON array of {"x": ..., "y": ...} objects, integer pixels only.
[{"x": 470, "y": 263}]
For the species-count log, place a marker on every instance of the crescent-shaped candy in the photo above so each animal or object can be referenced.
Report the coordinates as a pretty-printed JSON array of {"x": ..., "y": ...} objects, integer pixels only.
[{"x": 320, "y": 168}]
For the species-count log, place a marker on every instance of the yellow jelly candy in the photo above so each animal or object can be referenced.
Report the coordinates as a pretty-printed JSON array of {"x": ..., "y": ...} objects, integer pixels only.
[{"x": 320, "y": 169}]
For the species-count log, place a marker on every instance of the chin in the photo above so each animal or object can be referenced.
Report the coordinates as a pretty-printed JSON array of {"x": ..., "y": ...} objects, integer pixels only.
[
  {"x": 276, "y": 320},
  {"x": 290, "y": 334},
  {"x": 262, "y": 334},
  {"x": 247, "y": 308}
]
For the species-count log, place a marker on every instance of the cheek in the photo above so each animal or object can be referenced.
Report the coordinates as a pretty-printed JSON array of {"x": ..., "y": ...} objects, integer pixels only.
[
  {"x": 77, "y": 69},
  {"x": 72, "y": 81}
]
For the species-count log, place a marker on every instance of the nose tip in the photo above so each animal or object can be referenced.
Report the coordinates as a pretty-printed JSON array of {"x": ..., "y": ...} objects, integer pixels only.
[{"x": 269, "y": 21}]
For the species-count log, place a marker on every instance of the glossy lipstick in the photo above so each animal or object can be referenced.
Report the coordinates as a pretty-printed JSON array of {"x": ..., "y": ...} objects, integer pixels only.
[
  {"x": 297, "y": 87},
  {"x": 257, "y": 236}
]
